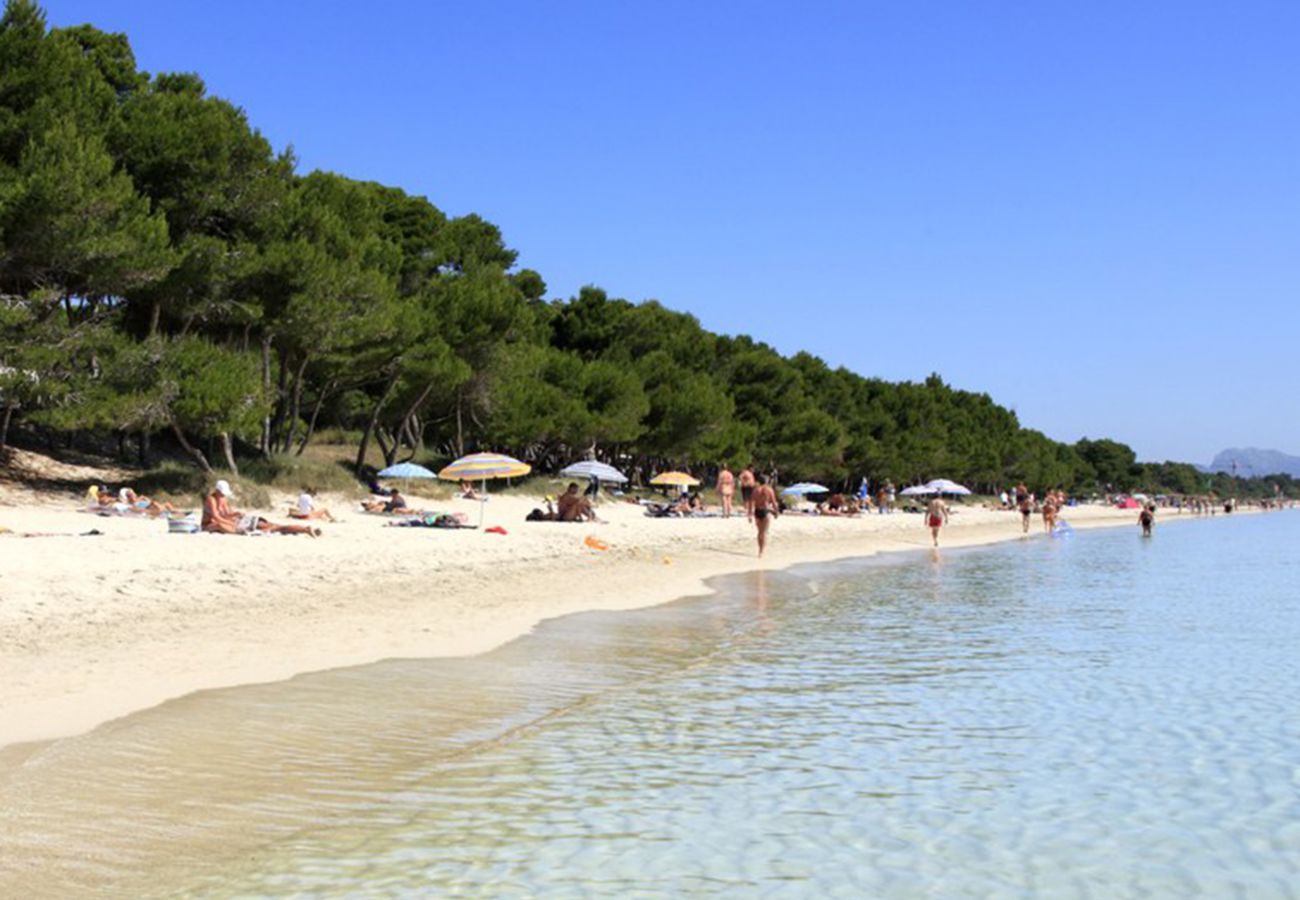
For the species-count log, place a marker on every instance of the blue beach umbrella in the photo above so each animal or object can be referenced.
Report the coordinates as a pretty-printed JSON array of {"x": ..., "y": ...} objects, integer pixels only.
[{"x": 406, "y": 470}]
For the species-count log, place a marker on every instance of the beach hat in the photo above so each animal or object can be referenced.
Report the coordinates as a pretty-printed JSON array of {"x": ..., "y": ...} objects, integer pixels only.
[{"x": 223, "y": 488}]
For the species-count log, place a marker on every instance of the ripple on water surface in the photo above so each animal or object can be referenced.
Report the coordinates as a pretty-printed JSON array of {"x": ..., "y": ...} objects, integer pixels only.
[{"x": 1102, "y": 716}]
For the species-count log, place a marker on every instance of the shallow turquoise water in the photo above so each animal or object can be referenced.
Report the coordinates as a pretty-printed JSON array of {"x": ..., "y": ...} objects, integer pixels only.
[{"x": 1098, "y": 716}]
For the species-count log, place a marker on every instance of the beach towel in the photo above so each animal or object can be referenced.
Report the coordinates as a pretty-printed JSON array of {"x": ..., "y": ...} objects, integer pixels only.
[{"x": 434, "y": 520}]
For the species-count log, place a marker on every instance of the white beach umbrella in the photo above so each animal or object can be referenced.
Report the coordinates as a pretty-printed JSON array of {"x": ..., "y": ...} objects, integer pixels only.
[
  {"x": 589, "y": 468},
  {"x": 917, "y": 490},
  {"x": 806, "y": 487},
  {"x": 944, "y": 486}
]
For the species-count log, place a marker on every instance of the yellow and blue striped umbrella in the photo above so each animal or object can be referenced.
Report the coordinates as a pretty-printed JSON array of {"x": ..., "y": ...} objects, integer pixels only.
[{"x": 480, "y": 466}]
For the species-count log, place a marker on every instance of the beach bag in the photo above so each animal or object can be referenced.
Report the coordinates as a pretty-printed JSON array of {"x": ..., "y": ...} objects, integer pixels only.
[{"x": 184, "y": 525}]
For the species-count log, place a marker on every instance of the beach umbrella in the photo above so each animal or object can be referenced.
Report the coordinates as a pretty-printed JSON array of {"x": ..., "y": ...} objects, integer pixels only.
[
  {"x": 590, "y": 468},
  {"x": 944, "y": 486},
  {"x": 674, "y": 478},
  {"x": 917, "y": 490},
  {"x": 806, "y": 487},
  {"x": 406, "y": 470},
  {"x": 481, "y": 467}
]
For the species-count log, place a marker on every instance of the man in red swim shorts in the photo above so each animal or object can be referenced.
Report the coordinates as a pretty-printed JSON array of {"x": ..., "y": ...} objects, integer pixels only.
[{"x": 936, "y": 516}]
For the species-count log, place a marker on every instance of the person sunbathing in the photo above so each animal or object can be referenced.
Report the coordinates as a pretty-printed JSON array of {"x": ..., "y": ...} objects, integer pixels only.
[
  {"x": 573, "y": 507},
  {"x": 146, "y": 505},
  {"x": 543, "y": 515},
  {"x": 219, "y": 518},
  {"x": 468, "y": 493},
  {"x": 395, "y": 503},
  {"x": 99, "y": 499},
  {"x": 306, "y": 508}
]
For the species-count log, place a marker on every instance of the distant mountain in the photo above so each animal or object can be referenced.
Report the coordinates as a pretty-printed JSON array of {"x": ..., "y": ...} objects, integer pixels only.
[{"x": 1252, "y": 461}]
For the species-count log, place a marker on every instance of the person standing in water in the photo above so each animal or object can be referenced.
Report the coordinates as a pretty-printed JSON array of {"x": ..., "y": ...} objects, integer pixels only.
[
  {"x": 1049, "y": 512},
  {"x": 765, "y": 509},
  {"x": 936, "y": 516},
  {"x": 1147, "y": 518},
  {"x": 1026, "y": 507},
  {"x": 726, "y": 490},
  {"x": 747, "y": 490}
]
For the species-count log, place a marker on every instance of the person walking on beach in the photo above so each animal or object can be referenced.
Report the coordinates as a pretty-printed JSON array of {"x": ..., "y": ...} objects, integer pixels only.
[
  {"x": 1147, "y": 518},
  {"x": 1026, "y": 507},
  {"x": 936, "y": 516},
  {"x": 726, "y": 490},
  {"x": 765, "y": 508},
  {"x": 747, "y": 490},
  {"x": 1049, "y": 512}
]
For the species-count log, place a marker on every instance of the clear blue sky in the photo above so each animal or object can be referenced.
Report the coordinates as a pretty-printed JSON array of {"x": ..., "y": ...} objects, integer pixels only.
[{"x": 1088, "y": 210}]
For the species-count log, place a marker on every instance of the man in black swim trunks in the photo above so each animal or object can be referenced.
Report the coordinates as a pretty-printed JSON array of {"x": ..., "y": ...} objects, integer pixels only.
[{"x": 1147, "y": 518}]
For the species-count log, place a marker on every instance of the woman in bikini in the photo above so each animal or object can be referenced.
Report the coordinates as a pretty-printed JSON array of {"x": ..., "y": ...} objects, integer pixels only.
[{"x": 765, "y": 510}]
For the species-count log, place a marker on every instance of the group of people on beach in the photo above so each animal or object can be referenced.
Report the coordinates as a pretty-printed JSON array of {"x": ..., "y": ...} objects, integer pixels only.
[
  {"x": 759, "y": 501},
  {"x": 99, "y": 499},
  {"x": 756, "y": 495},
  {"x": 220, "y": 518}
]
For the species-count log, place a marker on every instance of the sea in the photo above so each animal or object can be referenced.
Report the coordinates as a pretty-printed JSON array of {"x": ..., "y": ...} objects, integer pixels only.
[{"x": 1097, "y": 715}]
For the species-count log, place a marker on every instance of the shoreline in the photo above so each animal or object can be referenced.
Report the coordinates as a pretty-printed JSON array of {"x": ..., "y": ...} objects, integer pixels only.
[{"x": 94, "y": 629}]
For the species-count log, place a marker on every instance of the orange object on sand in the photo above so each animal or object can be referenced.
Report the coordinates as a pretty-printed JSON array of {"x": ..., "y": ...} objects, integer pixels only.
[
  {"x": 595, "y": 543},
  {"x": 495, "y": 529}
]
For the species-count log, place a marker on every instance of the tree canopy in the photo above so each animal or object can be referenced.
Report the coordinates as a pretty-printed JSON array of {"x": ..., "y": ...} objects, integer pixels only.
[{"x": 166, "y": 274}]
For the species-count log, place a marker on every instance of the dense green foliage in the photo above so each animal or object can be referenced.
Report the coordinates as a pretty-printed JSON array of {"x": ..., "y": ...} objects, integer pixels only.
[{"x": 166, "y": 276}]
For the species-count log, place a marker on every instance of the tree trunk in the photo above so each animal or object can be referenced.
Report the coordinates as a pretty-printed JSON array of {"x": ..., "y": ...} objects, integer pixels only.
[
  {"x": 191, "y": 449},
  {"x": 460, "y": 428},
  {"x": 408, "y": 418},
  {"x": 315, "y": 413},
  {"x": 389, "y": 450},
  {"x": 144, "y": 448},
  {"x": 281, "y": 402},
  {"x": 295, "y": 406},
  {"x": 155, "y": 318},
  {"x": 4, "y": 423},
  {"x": 264, "y": 443},
  {"x": 374, "y": 421},
  {"x": 228, "y": 450}
]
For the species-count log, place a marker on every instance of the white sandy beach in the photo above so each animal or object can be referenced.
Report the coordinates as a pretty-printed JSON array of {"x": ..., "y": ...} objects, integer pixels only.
[{"x": 95, "y": 627}]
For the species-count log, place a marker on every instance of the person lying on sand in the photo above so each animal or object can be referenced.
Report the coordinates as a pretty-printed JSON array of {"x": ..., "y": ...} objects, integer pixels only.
[
  {"x": 540, "y": 515},
  {"x": 146, "y": 505},
  {"x": 219, "y": 518},
  {"x": 573, "y": 507},
  {"x": 395, "y": 503}
]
